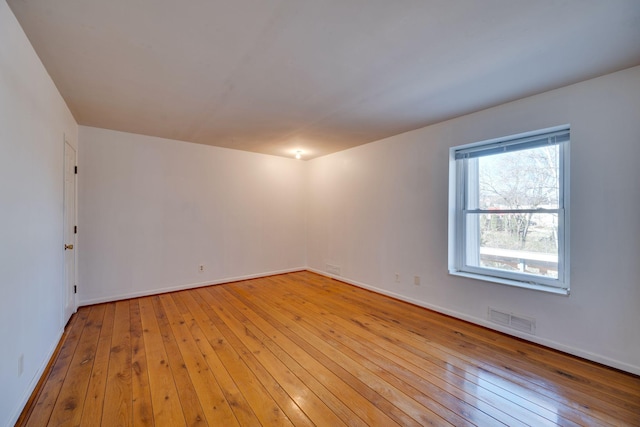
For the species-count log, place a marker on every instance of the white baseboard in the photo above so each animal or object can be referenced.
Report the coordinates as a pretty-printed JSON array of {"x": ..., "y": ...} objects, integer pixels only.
[
  {"x": 478, "y": 321},
  {"x": 34, "y": 380},
  {"x": 157, "y": 291},
  {"x": 483, "y": 322}
]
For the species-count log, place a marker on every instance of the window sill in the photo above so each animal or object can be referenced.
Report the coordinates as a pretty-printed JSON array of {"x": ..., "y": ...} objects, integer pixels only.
[{"x": 515, "y": 283}]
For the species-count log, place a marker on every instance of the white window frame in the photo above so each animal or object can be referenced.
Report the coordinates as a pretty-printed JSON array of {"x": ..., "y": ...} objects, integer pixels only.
[{"x": 457, "y": 219}]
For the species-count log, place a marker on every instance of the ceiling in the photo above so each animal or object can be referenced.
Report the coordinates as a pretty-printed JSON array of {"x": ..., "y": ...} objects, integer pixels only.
[{"x": 275, "y": 76}]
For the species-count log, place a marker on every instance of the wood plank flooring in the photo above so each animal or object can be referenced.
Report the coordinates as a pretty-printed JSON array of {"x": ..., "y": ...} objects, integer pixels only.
[{"x": 300, "y": 350}]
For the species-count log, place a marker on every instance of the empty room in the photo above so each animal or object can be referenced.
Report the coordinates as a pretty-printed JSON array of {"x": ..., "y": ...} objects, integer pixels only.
[{"x": 320, "y": 213}]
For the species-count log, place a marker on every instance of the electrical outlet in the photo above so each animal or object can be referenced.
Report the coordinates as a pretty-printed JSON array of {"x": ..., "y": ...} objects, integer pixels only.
[
  {"x": 201, "y": 268},
  {"x": 20, "y": 364},
  {"x": 416, "y": 280},
  {"x": 397, "y": 277}
]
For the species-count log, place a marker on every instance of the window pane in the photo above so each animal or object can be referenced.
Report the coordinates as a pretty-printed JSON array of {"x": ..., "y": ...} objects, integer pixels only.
[
  {"x": 508, "y": 210},
  {"x": 518, "y": 242},
  {"x": 526, "y": 179}
]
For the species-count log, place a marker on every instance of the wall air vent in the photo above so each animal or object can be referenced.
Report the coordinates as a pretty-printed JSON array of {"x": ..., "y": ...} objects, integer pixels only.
[
  {"x": 513, "y": 321},
  {"x": 499, "y": 317}
]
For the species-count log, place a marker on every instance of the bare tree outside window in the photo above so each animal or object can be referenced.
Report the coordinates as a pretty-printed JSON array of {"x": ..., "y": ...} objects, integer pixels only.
[{"x": 522, "y": 182}]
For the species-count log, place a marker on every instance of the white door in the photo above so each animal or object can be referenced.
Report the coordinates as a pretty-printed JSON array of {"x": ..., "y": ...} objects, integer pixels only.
[{"x": 69, "y": 230}]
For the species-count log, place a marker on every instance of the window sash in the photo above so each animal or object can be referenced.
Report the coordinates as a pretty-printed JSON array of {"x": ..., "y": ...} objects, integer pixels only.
[
  {"x": 463, "y": 164},
  {"x": 471, "y": 251},
  {"x": 508, "y": 211}
]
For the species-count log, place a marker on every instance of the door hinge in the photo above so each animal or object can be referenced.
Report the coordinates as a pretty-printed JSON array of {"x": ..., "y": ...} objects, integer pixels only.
[
  {"x": 75, "y": 289},
  {"x": 75, "y": 229},
  {"x": 75, "y": 170}
]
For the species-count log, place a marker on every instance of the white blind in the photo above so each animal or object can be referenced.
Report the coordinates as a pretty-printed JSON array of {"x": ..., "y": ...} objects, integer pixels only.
[{"x": 549, "y": 138}]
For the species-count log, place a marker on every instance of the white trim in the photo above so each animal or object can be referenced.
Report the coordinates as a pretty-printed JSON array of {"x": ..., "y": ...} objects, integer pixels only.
[
  {"x": 516, "y": 283},
  {"x": 490, "y": 325},
  {"x": 185, "y": 286},
  {"x": 460, "y": 239},
  {"x": 35, "y": 379}
]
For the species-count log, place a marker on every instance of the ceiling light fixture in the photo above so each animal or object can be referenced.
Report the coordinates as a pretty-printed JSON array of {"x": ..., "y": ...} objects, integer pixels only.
[{"x": 298, "y": 154}]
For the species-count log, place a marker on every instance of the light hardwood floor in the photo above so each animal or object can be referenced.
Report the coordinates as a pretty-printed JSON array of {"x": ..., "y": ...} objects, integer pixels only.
[{"x": 301, "y": 349}]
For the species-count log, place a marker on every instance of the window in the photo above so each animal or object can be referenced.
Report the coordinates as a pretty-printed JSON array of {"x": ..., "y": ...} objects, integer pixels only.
[{"x": 508, "y": 216}]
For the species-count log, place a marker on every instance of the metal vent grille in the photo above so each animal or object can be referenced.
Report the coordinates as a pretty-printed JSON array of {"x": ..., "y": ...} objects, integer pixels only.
[
  {"x": 513, "y": 321},
  {"x": 499, "y": 317}
]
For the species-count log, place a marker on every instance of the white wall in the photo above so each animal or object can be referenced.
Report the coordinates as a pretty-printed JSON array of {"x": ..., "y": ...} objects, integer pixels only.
[
  {"x": 33, "y": 120},
  {"x": 152, "y": 210},
  {"x": 381, "y": 208}
]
